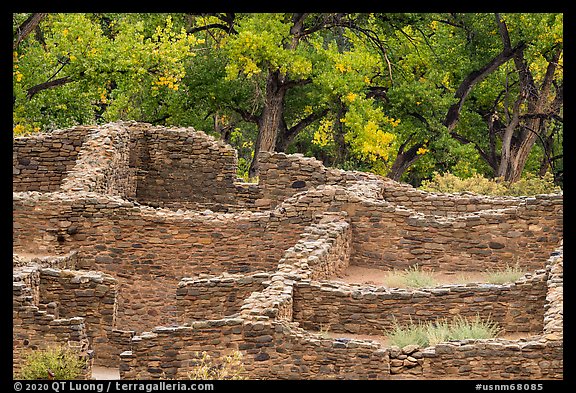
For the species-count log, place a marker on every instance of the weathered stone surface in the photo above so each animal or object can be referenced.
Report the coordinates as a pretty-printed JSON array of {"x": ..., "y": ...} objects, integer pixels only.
[{"x": 206, "y": 262}]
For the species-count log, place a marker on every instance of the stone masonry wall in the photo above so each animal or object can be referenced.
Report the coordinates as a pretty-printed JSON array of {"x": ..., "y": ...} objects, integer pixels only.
[
  {"x": 108, "y": 233},
  {"x": 388, "y": 236},
  {"x": 215, "y": 297},
  {"x": 554, "y": 307},
  {"x": 249, "y": 281},
  {"x": 439, "y": 204},
  {"x": 182, "y": 166},
  {"x": 341, "y": 308},
  {"x": 37, "y": 329},
  {"x": 171, "y": 352},
  {"x": 103, "y": 164},
  {"x": 40, "y": 162},
  {"x": 493, "y": 359},
  {"x": 283, "y": 175},
  {"x": 90, "y": 295}
]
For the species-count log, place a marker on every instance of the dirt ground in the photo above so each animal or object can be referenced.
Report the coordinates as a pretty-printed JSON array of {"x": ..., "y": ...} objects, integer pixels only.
[{"x": 378, "y": 277}]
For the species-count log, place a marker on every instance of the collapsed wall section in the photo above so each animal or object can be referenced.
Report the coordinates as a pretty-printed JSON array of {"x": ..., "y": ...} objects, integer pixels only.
[
  {"x": 38, "y": 326},
  {"x": 90, "y": 295}
]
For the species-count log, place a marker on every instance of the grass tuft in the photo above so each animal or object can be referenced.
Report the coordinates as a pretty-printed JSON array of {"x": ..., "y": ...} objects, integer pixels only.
[
  {"x": 412, "y": 277},
  {"x": 505, "y": 275},
  {"x": 432, "y": 333}
]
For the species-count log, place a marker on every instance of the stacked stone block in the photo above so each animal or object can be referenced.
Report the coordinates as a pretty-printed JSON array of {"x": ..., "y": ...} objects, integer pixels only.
[
  {"x": 37, "y": 329},
  {"x": 215, "y": 297}
]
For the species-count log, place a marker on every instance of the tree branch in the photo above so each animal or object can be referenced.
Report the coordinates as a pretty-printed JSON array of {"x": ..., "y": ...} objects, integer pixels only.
[
  {"x": 227, "y": 18},
  {"x": 472, "y": 79},
  {"x": 48, "y": 85},
  {"x": 246, "y": 116},
  {"x": 27, "y": 27},
  {"x": 286, "y": 135}
]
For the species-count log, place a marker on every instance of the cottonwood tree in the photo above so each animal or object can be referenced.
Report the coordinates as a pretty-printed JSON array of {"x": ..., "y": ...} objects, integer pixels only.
[
  {"x": 456, "y": 75},
  {"x": 85, "y": 68},
  {"x": 301, "y": 77}
]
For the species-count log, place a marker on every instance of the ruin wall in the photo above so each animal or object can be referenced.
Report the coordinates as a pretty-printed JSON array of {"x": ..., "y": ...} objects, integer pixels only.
[
  {"x": 40, "y": 162},
  {"x": 388, "y": 236},
  {"x": 109, "y": 234},
  {"x": 346, "y": 308}
]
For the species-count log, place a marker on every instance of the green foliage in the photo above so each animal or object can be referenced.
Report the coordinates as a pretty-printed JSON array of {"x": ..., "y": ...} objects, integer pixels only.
[
  {"x": 62, "y": 361},
  {"x": 382, "y": 92},
  {"x": 116, "y": 73},
  {"x": 529, "y": 185},
  {"x": 230, "y": 367},
  {"x": 432, "y": 333}
]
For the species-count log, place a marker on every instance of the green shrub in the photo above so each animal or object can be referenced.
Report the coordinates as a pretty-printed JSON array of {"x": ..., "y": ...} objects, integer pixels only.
[
  {"x": 230, "y": 368},
  {"x": 60, "y": 361},
  {"x": 462, "y": 328},
  {"x": 527, "y": 186},
  {"x": 432, "y": 333}
]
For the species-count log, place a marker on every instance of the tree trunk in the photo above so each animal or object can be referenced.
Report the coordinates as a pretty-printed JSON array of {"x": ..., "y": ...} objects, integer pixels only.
[
  {"x": 515, "y": 153},
  {"x": 270, "y": 119},
  {"x": 403, "y": 160}
]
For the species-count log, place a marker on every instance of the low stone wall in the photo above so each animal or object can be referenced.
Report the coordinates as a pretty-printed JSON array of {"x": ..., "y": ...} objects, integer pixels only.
[
  {"x": 249, "y": 281},
  {"x": 67, "y": 261},
  {"x": 171, "y": 352},
  {"x": 40, "y": 162},
  {"x": 270, "y": 332},
  {"x": 108, "y": 234},
  {"x": 322, "y": 251},
  {"x": 343, "y": 308},
  {"x": 90, "y": 295},
  {"x": 388, "y": 236},
  {"x": 442, "y": 204},
  {"x": 215, "y": 297}
]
